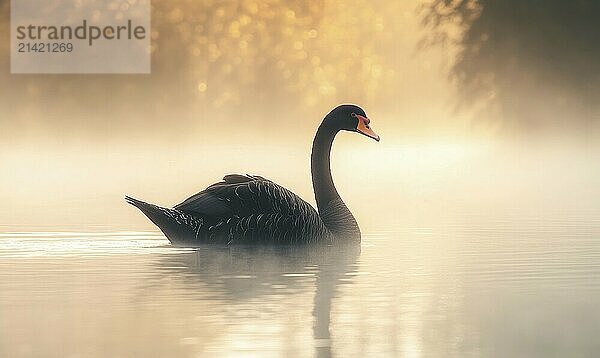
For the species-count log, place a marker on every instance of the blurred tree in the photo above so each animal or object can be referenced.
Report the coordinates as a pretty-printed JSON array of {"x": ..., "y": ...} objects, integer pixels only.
[{"x": 534, "y": 61}]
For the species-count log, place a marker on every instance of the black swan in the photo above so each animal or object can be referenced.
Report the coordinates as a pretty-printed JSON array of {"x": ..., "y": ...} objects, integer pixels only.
[{"x": 244, "y": 209}]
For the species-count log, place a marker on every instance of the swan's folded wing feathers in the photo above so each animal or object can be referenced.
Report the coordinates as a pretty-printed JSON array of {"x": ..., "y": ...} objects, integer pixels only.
[
  {"x": 244, "y": 195},
  {"x": 236, "y": 178},
  {"x": 206, "y": 203}
]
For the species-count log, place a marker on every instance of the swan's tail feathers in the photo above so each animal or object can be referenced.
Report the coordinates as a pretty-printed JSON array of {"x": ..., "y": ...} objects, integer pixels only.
[
  {"x": 135, "y": 202},
  {"x": 179, "y": 227}
]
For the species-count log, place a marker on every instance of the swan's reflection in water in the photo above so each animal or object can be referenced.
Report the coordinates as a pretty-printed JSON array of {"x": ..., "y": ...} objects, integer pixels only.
[{"x": 263, "y": 279}]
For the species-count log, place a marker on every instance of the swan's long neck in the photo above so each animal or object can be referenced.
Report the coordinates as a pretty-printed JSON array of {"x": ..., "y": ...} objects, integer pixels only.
[{"x": 332, "y": 210}]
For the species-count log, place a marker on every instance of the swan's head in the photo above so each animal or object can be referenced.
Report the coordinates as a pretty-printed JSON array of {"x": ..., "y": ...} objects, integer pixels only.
[{"x": 351, "y": 118}]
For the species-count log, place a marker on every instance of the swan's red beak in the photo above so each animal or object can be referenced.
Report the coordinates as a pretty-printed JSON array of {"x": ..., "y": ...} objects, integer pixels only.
[{"x": 364, "y": 128}]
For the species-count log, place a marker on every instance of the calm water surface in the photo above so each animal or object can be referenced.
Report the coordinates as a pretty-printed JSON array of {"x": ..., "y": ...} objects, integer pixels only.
[{"x": 514, "y": 288}]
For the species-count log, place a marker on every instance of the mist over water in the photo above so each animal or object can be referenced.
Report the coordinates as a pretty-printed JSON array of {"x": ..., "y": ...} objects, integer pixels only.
[
  {"x": 386, "y": 185},
  {"x": 478, "y": 208},
  {"x": 469, "y": 249}
]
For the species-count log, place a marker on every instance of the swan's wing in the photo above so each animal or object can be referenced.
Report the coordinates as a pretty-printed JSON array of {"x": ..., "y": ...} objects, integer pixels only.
[{"x": 244, "y": 195}]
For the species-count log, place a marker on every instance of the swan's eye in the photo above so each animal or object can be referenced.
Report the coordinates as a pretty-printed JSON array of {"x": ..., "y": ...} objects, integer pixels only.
[{"x": 353, "y": 114}]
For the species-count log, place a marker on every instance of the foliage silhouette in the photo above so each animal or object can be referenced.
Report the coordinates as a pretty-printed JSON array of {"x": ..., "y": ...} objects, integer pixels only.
[{"x": 531, "y": 61}]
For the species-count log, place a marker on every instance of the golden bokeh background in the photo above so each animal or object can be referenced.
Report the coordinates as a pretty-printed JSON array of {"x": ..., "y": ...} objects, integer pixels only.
[{"x": 245, "y": 63}]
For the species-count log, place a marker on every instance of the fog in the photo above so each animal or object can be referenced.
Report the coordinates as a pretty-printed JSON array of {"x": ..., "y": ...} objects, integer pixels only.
[{"x": 242, "y": 86}]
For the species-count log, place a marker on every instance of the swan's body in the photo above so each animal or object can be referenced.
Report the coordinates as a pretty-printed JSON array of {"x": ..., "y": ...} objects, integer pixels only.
[
  {"x": 240, "y": 209},
  {"x": 252, "y": 209}
]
